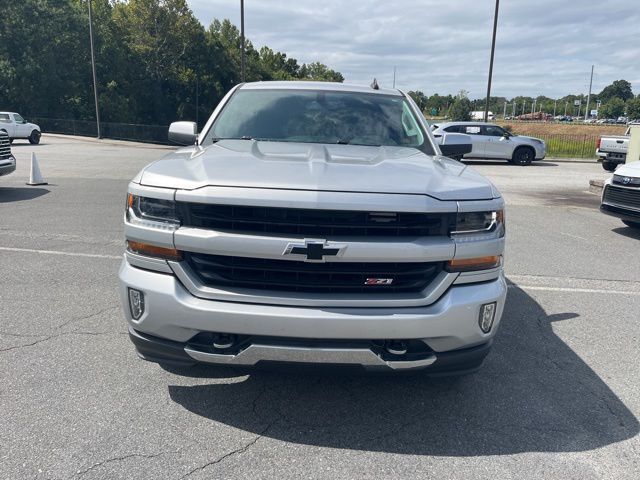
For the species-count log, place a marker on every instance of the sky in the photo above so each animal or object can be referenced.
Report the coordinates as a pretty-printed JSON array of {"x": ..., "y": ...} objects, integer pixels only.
[{"x": 543, "y": 47}]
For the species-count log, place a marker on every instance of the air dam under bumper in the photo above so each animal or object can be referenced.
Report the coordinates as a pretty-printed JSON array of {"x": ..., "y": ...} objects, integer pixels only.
[{"x": 173, "y": 316}]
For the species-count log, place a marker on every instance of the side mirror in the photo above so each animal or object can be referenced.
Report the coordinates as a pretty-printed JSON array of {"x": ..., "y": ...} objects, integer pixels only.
[
  {"x": 183, "y": 133},
  {"x": 506, "y": 135},
  {"x": 24, "y": 121},
  {"x": 455, "y": 145}
]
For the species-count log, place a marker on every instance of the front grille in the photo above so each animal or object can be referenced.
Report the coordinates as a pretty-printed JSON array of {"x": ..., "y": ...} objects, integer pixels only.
[
  {"x": 219, "y": 271},
  {"x": 622, "y": 196},
  {"x": 309, "y": 222},
  {"x": 5, "y": 146}
]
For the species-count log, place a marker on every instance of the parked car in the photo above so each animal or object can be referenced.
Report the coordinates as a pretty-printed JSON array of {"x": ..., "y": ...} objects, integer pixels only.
[
  {"x": 7, "y": 160},
  {"x": 611, "y": 150},
  {"x": 494, "y": 142},
  {"x": 313, "y": 222},
  {"x": 17, "y": 127},
  {"x": 621, "y": 195}
]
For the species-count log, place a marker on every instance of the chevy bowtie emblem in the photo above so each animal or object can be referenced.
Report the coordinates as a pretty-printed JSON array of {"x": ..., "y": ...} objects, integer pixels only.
[{"x": 314, "y": 250}]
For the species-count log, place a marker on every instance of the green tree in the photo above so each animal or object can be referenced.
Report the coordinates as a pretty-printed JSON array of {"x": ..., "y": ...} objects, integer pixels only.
[
  {"x": 460, "y": 109},
  {"x": 633, "y": 108},
  {"x": 619, "y": 88},
  {"x": 420, "y": 99},
  {"x": 319, "y": 72},
  {"x": 612, "y": 109}
]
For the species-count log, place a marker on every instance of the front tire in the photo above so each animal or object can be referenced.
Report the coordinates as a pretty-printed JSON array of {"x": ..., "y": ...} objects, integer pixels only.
[
  {"x": 523, "y": 156},
  {"x": 631, "y": 224},
  {"x": 609, "y": 166},
  {"x": 34, "y": 138}
]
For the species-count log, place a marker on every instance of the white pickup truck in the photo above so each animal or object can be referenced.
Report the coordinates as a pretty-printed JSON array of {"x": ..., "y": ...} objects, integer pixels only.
[
  {"x": 17, "y": 127},
  {"x": 612, "y": 150}
]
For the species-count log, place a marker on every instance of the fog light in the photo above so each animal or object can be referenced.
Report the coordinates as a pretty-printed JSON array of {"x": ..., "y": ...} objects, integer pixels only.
[
  {"x": 487, "y": 314},
  {"x": 136, "y": 303}
]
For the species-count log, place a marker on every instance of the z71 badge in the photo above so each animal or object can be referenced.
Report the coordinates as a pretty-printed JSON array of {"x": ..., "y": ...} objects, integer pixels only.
[{"x": 378, "y": 281}]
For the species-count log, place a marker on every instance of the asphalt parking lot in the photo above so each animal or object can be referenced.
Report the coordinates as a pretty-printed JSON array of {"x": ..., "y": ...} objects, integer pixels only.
[{"x": 559, "y": 396}]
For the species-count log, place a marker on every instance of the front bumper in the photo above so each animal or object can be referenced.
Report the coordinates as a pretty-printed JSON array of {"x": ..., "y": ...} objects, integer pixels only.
[
  {"x": 173, "y": 317},
  {"x": 7, "y": 167}
]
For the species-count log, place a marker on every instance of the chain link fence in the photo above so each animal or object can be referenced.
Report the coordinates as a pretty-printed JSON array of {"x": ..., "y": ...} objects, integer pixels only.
[{"x": 115, "y": 131}]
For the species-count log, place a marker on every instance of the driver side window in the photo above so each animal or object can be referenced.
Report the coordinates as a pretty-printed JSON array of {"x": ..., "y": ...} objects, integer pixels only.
[{"x": 493, "y": 131}]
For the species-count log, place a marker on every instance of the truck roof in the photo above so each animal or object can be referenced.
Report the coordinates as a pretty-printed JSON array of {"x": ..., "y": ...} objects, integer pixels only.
[{"x": 329, "y": 86}]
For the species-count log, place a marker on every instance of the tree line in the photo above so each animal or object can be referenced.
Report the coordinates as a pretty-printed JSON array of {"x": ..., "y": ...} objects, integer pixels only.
[
  {"x": 155, "y": 61},
  {"x": 615, "y": 100}
]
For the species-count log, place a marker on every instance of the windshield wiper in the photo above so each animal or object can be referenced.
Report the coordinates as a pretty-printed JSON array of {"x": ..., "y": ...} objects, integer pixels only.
[{"x": 217, "y": 139}]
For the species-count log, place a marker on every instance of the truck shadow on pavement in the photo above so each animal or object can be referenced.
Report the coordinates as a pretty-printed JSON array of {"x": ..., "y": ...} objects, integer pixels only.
[
  {"x": 16, "y": 194},
  {"x": 533, "y": 394}
]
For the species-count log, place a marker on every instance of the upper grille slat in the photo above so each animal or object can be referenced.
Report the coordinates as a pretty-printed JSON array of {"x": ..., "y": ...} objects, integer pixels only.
[
  {"x": 308, "y": 222},
  {"x": 341, "y": 277}
]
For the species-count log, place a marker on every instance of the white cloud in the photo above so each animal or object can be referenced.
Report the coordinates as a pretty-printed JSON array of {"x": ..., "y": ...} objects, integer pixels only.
[{"x": 544, "y": 47}]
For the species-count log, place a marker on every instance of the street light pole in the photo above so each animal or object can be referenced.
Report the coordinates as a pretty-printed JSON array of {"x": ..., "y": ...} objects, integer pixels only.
[
  {"x": 493, "y": 49},
  {"x": 242, "y": 61},
  {"x": 586, "y": 110},
  {"x": 93, "y": 68}
]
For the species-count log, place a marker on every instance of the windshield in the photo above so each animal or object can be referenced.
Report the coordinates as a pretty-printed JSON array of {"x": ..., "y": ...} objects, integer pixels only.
[{"x": 311, "y": 116}]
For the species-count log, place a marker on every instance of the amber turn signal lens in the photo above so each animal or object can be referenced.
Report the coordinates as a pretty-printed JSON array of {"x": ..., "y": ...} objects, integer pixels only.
[
  {"x": 130, "y": 200},
  {"x": 153, "y": 251},
  {"x": 471, "y": 264}
]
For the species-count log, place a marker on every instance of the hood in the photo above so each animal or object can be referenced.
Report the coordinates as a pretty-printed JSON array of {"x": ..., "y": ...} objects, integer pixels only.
[
  {"x": 317, "y": 167},
  {"x": 629, "y": 169},
  {"x": 529, "y": 139}
]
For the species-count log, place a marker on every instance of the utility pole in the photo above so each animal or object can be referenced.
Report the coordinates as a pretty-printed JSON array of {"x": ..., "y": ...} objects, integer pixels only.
[
  {"x": 533, "y": 107},
  {"x": 493, "y": 49},
  {"x": 586, "y": 110},
  {"x": 394, "y": 76},
  {"x": 93, "y": 68},
  {"x": 197, "y": 97},
  {"x": 555, "y": 104},
  {"x": 524, "y": 104},
  {"x": 242, "y": 60},
  {"x": 504, "y": 113},
  {"x": 514, "y": 108},
  {"x": 566, "y": 104}
]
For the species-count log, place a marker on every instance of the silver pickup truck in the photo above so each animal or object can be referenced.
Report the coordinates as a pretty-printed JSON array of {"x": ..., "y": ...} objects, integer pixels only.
[
  {"x": 7, "y": 160},
  {"x": 313, "y": 223},
  {"x": 612, "y": 150}
]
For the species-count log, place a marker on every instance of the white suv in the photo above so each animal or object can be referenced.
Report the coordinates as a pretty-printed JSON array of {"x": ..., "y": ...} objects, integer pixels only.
[{"x": 494, "y": 142}]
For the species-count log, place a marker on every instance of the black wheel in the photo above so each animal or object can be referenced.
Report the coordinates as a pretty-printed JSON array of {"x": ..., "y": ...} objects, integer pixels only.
[
  {"x": 609, "y": 166},
  {"x": 523, "y": 156},
  {"x": 631, "y": 224},
  {"x": 34, "y": 138}
]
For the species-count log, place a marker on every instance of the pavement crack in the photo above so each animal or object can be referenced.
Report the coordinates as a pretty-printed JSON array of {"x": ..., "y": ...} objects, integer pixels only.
[
  {"x": 80, "y": 473},
  {"x": 232, "y": 453},
  {"x": 86, "y": 317}
]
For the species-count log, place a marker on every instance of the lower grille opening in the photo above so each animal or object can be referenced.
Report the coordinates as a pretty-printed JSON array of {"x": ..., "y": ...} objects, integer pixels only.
[
  {"x": 219, "y": 271},
  {"x": 622, "y": 196}
]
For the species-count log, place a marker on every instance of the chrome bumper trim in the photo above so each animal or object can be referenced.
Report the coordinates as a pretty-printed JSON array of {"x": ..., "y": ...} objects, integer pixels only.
[{"x": 255, "y": 353}]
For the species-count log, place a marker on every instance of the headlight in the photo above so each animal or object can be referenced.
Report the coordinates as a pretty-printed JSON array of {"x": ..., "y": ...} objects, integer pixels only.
[
  {"x": 152, "y": 212},
  {"x": 472, "y": 226}
]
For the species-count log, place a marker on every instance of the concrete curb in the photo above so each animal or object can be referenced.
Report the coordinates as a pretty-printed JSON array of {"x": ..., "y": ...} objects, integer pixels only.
[{"x": 596, "y": 186}]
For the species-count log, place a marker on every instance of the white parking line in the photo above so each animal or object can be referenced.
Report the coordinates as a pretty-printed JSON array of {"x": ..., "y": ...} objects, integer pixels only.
[
  {"x": 574, "y": 290},
  {"x": 55, "y": 252}
]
